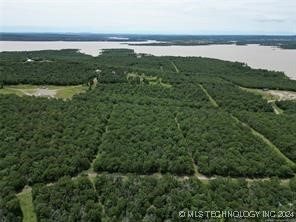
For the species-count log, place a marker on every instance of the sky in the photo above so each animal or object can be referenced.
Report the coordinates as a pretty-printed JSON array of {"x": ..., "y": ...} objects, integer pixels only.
[{"x": 150, "y": 16}]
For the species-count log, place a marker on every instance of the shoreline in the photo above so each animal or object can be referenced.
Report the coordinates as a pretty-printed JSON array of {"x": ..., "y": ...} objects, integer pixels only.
[{"x": 254, "y": 55}]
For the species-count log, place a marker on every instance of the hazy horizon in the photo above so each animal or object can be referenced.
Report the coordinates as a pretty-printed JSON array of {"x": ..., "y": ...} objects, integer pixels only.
[{"x": 160, "y": 34}]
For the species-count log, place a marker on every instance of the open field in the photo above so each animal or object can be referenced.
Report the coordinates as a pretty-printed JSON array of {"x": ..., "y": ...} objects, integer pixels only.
[
  {"x": 50, "y": 91},
  {"x": 273, "y": 95}
]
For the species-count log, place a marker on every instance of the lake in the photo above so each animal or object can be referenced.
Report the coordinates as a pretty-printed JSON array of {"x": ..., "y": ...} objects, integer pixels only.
[{"x": 256, "y": 56}]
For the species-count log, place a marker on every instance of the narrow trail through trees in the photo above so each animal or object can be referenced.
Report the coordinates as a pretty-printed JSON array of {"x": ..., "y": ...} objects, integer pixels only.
[
  {"x": 26, "y": 203},
  {"x": 254, "y": 132},
  {"x": 277, "y": 110},
  {"x": 90, "y": 172},
  {"x": 267, "y": 141},
  {"x": 175, "y": 67},
  {"x": 189, "y": 153},
  {"x": 215, "y": 104}
]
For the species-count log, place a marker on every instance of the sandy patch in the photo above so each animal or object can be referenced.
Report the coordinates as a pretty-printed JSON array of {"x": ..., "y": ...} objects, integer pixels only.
[
  {"x": 283, "y": 95},
  {"x": 42, "y": 92}
]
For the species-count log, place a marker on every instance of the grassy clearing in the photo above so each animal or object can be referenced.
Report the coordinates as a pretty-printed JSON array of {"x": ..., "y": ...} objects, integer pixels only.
[
  {"x": 152, "y": 80},
  {"x": 62, "y": 92},
  {"x": 68, "y": 92},
  {"x": 23, "y": 87},
  {"x": 7, "y": 90},
  {"x": 165, "y": 85},
  {"x": 262, "y": 93},
  {"x": 276, "y": 109},
  {"x": 273, "y": 95},
  {"x": 27, "y": 207}
]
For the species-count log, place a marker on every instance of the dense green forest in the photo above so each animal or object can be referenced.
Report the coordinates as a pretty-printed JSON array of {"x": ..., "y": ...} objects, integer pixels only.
[
  {"x": 135, "y": 198},
  {"x": 287, "y": 106},
  {"x": 221, "y": 146},
  {"x": 280, "y": 129},
  {"x": 151, "y": 137},
  {"x": 143, "y": 139},
  {"x": 232, "y": 98}
]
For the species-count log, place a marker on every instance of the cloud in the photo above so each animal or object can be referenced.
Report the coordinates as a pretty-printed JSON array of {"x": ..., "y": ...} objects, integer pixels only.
[
  {"x": 271, "y": 20},
  {"x": 150, "y": 16}
]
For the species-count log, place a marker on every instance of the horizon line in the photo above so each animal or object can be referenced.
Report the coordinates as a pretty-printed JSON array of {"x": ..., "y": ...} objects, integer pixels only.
[{"x": 132, "y": 33}]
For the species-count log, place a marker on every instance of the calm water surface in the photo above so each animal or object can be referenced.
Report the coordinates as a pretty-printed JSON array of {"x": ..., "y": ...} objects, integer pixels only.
[{"x": 256, "y": 56}]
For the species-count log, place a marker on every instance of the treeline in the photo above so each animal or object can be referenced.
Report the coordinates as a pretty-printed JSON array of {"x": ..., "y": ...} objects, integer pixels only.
[
  {"x": 44, "y": 55},
  {"x": 136, "y": 198},
  {"x": 58, "y": 67},
  {"x": 128, "y": 59},
  {"x": 222, "y": 146},
  {"x": 262, "y": 79},
  {"x": 48, "y": 72},
  {"x": 10, "y": 209},
  {"x": 235, "y": 72}
]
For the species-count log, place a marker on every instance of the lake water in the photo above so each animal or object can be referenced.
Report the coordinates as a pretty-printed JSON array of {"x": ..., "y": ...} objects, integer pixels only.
[{"x": 256, "y": 56}]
